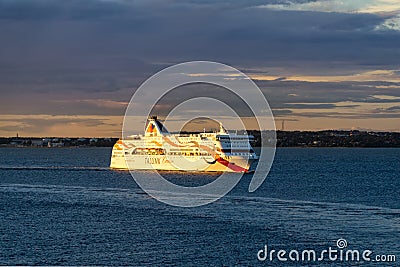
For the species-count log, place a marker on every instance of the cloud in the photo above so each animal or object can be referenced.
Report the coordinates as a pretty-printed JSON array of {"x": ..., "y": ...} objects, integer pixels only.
[
  {"x": 73, "y": 126},
  {"x": 317, "y": 106},
  {"x": 367, "y": 76},
  {"x": 87, "y": 57},
  {"x": 387, "y": 9},
  {"x": 68, "y": 10},
  {"x": 392, "y": 23},
  {"x": 351, "y": 6},
  {"x": 394, "y": 108},
  {"x": 99, "y": 103}
]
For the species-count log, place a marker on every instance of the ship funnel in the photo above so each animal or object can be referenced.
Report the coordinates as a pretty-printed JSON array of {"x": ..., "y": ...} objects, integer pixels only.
[{"x": 155, "y": 127}]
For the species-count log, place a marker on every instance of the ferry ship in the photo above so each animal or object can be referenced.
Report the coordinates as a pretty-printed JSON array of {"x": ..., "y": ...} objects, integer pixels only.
[{"x": 158, "y": 149}]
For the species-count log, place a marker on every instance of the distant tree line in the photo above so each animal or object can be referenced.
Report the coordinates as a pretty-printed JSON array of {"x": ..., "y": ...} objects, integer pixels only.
[
  {"x": 56, "y": 142},
  {"x": 331, "y": 138}
]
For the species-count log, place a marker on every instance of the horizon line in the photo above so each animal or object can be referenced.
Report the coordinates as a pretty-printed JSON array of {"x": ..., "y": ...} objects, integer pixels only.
[{"x": 278, "y": 130}]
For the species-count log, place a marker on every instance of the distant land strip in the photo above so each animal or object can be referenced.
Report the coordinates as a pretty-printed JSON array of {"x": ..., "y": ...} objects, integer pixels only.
[{"x": 328, "y": 138}]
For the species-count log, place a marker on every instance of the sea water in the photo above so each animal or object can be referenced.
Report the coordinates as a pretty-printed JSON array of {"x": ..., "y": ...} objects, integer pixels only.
[{"x": 66, "y": 207}]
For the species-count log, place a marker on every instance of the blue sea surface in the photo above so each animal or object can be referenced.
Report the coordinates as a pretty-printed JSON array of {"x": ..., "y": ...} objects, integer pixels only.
[{"x": 66, "y": 207}]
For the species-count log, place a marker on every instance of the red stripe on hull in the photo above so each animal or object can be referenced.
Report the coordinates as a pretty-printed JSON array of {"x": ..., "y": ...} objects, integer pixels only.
[{"x": 233, "y": 167}]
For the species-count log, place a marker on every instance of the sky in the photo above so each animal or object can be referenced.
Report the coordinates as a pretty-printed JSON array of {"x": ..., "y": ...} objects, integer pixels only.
[{"x": 69, "y": 68}]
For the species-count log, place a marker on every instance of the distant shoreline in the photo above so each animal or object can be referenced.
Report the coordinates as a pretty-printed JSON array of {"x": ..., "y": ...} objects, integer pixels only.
[
  {"x": 278, "y": 147},
  {"x": 329, "y": 138}
]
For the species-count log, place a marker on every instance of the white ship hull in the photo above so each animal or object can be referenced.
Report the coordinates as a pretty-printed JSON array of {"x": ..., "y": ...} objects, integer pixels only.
[{"x": 235, "y": 164}]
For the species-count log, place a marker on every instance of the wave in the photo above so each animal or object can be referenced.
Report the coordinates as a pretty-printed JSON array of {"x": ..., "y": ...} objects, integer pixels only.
[
  {"x": 68, "y": 168},
  {"x": 64, "y": 188}
]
